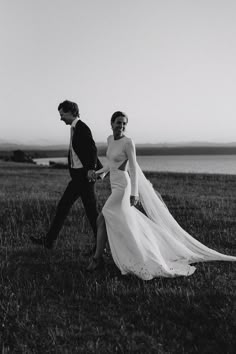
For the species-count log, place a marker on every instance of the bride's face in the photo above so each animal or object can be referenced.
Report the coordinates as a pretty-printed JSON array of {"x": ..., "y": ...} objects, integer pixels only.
[{"x": 118, "y": 127}]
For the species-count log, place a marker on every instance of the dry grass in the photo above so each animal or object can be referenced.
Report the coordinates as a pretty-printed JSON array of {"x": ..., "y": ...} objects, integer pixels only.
[{"x": 49, "y": 304}]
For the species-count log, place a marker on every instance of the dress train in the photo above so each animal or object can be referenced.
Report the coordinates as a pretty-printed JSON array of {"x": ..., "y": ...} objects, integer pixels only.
[{"x": 154, "y": 245}]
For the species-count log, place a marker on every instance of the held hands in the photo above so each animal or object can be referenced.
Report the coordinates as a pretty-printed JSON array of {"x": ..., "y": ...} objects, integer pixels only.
[
  {"x": 134, "y": 200},
  {"x": 91, "y": 176},
  {"x": 100, "y": 175}
]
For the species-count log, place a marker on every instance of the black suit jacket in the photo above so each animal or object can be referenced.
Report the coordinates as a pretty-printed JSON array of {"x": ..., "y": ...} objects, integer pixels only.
[{"x": 85, "y": 147}]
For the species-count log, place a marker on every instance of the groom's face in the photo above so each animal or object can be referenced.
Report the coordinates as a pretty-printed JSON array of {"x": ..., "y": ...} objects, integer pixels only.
[{"x": 66, "y": 117}]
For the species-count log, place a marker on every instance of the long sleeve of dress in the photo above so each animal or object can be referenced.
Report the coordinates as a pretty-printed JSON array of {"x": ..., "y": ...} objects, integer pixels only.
[
  {"x": 104, "y": 170},
  {"x": 131, "y": 154}
]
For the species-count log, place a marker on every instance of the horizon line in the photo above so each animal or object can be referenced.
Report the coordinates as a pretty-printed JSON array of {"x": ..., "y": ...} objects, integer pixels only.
[{"x": 62, "y": 144}]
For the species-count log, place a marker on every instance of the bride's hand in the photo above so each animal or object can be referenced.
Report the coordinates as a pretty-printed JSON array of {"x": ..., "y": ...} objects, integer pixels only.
[
  {"x": 100, "y": 175},
  {"x": 134, "y": 200}
]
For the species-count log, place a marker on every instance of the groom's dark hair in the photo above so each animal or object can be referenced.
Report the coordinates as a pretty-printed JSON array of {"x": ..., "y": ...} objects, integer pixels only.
[{"x": 69, "y": 106}]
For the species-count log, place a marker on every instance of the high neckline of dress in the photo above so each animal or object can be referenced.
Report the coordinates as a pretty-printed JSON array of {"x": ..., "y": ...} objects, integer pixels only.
[{"x": 119, "y": 138}]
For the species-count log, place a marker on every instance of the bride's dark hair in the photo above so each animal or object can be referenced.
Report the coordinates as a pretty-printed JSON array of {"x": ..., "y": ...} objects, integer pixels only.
[{"x": 118, "y": 114}]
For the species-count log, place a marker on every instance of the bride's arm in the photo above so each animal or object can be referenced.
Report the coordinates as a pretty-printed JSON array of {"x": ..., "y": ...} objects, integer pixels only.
[
  {"x": 131, "y": 154},
  {"x": 105, "y": 169}
]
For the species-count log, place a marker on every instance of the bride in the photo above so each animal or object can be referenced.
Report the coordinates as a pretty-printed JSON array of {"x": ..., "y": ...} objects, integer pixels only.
[{"x": 151, "y": 245}]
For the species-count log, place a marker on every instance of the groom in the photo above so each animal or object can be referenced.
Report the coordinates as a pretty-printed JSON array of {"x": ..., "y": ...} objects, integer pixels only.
[{"x": 82, "y": 163}]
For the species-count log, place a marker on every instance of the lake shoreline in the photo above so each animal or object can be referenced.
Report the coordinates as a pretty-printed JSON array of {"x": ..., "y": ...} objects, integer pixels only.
[{"x": 212, "y": 164}]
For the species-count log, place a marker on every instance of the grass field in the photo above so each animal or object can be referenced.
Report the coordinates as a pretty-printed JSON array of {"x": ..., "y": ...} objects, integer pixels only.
[{"x": 49, "y": 304}]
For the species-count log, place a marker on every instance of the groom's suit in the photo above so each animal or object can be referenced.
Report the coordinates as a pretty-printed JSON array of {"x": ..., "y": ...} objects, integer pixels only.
[
  {"x": 79, "y": 186},
  {"x": 85, "y": 148}
]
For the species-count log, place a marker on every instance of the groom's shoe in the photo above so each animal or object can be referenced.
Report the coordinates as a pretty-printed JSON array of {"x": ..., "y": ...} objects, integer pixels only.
[
  {"x": 42, "y": 241},
  {"x": 95, "y": 264}
]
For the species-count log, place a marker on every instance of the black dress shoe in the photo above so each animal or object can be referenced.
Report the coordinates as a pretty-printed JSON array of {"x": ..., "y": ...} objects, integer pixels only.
[
  {"x": 42, "y": 241},
  {"x": 95, "y": 264}
]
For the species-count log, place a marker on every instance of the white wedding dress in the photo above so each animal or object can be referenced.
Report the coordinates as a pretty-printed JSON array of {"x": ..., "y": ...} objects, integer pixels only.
[{"x": 146, "y": 246}]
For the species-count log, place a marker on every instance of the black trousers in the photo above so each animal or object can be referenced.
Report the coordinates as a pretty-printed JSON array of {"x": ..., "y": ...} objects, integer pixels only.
[{"x": 79, "y": 186}]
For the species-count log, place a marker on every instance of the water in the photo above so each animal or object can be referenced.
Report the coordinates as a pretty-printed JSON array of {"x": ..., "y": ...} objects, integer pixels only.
[{"x": 219, "y": 164}]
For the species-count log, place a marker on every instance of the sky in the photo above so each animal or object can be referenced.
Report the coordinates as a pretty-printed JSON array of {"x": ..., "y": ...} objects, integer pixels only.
[{"x": 170, "y": 65}]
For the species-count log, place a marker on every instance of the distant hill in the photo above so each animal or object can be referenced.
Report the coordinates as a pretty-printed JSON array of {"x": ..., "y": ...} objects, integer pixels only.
[
  {"x": 14, "y": 146},
  {"x": 186, "y": 150},
  {"x": 189, "y": 144},
  {"x": 60, "y": 150}
]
